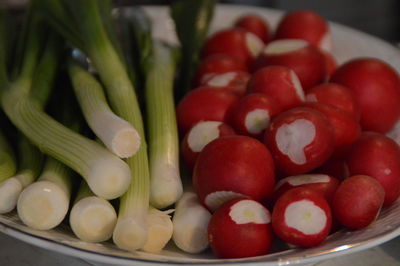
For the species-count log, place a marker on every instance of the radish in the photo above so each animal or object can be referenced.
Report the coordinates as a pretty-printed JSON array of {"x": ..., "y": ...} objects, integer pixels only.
[
  {"x": 233, "y": 166},
  {"x": 256, "y": 25},
  {"x": 358, "y": 201},
  {"x": 234, "y": 81},
  {"x": 279, "y": 83},
  {"x": 240, "y": 228},
  {"x": 376, "y": 86},
  {"x": 306, "y": 25},
  {"x": 204, "y": 105},
  {"x": 252, "y": 115},
  {"x": 199, "y": 136},
  {"x": 300, "y": 140},
  {"x": 335, "y": 95},
  {"x": 302, "y": 217},
  {"x": 217, "y": 64},
  {"x": 303, "y": 58},
  {"x": 347, "y": 129},
  {"x": 377, "y": 156},
  {"x": 321, "y": 183},
  {"x": 235, "y": 42}
]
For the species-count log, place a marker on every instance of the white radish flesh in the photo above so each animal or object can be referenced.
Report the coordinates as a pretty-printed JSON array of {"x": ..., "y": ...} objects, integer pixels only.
[
  {"x": 278, "y": 47},
  {"x": 257, "y": 120},
  {"x": 249, "y": 211},
  {"x": 203, "y": 133}
]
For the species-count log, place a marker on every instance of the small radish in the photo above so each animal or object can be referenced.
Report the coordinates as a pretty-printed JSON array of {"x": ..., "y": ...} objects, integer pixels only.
[
  {"x": 323, "y": 184},
  {"x": 252, "y": 115},
  {"x": 300, "y": 140},
  {"x": 302, "y": 217},
  {"x": 279, "y": 83},
  {"x": 235, "y": 42},
  {"x": 377, "y": 156},
  {"x": 256, "y": 25},
  {"x": 217, "y": 64},
  {"x": 335, "y": 167},
  {"x": 234, "y": 81},
  {"x": 376, "y": 86},
  {"x": 330, "y": 64},
  {"x": 347, "y": 129},
  {"x": 199, "y": 136},
  {"x": 306, "y": 25},
  {"x": 358, "y": 201},
  {"x": 335, "y": 95},
  {"x": 303, "y": 58},
  {"x": 240, "y": 228},
  {"x": 204, "y": 105},
  {"x": 233, "y": 166}
]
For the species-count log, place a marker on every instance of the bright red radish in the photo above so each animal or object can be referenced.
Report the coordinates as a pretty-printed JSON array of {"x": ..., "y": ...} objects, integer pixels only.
[
  {"x": 240, "y": 228},
  {"x": 300, "y": 140},
  {"x": 236, "y": 42},
  {"x": 256, "y": 25},
  {"x": 199, "y": 136},
  {"x": 377, "y": 156},
  {"x": 252, "y": 115},
  {"x": 306, "y": 25},
  {"x": 217, "y": 64},
  {"x": 347, "y": 129},
  {"x": 279, "y": 83},
  {"x": 358, "y": 201},
  {"x": 335, "y": 95},
  {"x": 376, "y": 86},
  {"x": 323, "y": 184},
  {"x": 303, "y": 58},
  {"x": 234, "y": 81},
  {"x": 231, "y": 167},
  {"x": 204, "y": 105},
  {"x": 330, "y": 64},
  {"x": 302, "y": 217}
]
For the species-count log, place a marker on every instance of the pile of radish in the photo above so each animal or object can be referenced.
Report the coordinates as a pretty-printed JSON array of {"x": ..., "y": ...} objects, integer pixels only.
[{"x": 282, "y": 142}]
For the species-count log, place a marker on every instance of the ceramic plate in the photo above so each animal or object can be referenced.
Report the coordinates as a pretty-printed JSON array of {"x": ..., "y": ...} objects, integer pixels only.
[{"x": 347, "y": 43}]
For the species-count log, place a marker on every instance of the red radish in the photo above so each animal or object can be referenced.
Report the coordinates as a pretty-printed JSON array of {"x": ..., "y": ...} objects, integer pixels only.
[
  {"x": 330, "y": 64},
  {"x": 256, "y": 25},
  {"x": 306, "y": 60},
  {"x": 217, "y": 64},
  {"x": 234, "y": 81},
  {"x": 238, "y": 43},
  {"x": 279, "y": 83},
  {"x": 358, "y": 201},
  {"x": 335, "y": 167},
  {"x": 300, "y": 140},
  {"x": 323, "y": 184},
  {"x": 204, "y": 105},
  {"x": 376, "y": 86},
  {"x": 199, "y": 136},
  {"x": 347, "y": 129},
  {"x": 302, "y": 217},
  {"x": 252, "y": 115},
  {"x": 231, "y": 167},
  {"x": 335, "y": 95},
  {"x": 306, "y": 25},
  {"x": 377, "y": 156},
  {"x": 240, "y": 228}
]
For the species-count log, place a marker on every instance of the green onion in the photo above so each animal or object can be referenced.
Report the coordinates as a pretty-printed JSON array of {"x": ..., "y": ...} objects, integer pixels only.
[
  {"x": 107, "y": 175},
  {"x": 92, "y": 219},
  {"x": 160, "y": 230},
  {"x": 165, "y": 184},
  {"x": 30, "y": 164},
  {"x": 85, "y": 17},
  {"x": 8, "y": 166},
  {"x": 44, "y": 204},
  {"x": 117, "y": 135}
]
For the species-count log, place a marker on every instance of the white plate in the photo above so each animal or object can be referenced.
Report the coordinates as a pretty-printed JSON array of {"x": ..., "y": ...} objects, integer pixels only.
[{"x": 348, "y": 43}]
